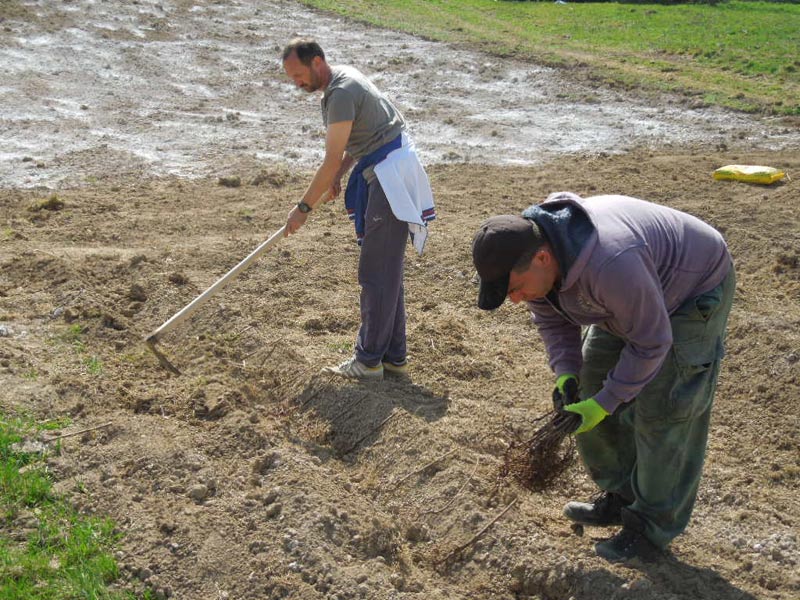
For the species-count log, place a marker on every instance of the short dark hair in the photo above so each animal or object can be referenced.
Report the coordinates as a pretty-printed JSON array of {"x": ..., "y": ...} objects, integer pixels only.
[{"x": 305, "y": 48}]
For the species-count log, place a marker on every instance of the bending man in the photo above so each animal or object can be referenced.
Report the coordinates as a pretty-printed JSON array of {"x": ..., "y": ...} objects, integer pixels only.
[
  {"x": 388, "y": 197},
  {"x": 654, "y": 286}
]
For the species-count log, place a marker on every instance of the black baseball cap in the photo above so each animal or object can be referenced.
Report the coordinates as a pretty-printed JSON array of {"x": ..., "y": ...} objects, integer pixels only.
[{"x": 496, "y": 248}]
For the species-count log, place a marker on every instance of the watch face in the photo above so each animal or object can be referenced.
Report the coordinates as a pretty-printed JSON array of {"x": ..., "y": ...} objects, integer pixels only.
[{"x": 304, "y": 207}]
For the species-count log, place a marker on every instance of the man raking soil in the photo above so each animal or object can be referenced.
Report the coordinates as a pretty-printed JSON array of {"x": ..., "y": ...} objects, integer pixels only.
[{"x": 388, "y": 197}]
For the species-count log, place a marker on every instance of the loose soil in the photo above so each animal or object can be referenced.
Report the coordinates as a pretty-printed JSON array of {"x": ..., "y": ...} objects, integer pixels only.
[{"x": 251, "y": 475}]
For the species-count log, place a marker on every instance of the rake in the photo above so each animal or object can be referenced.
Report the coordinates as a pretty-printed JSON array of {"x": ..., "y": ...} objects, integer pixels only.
[{"x": 180, "y": 316}]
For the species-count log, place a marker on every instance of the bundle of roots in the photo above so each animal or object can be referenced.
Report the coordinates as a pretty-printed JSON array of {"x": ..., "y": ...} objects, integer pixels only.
[{"x": 537, "y": 462}]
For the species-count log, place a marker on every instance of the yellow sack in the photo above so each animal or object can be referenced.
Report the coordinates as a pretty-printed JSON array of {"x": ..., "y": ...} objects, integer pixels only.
[{"x": 749, "y": 173}]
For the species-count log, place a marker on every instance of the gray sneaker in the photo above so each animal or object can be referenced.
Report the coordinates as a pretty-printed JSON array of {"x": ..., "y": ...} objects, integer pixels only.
[
  {"x": 353, "y": 368},
  {"x": 398, "y": 371}
]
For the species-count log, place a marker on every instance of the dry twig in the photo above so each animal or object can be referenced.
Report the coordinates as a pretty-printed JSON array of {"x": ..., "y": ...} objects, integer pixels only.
[
  {"x": 74, "y": 433},
  {"x": 372, "y": 431},
  {"x": 475, "y": 537},
  {"x": 424, "y": 467},
  {"x": 461, "y": 489},
  {"x": 539, "y": 461},
  {"x": 349, "y": 410}
]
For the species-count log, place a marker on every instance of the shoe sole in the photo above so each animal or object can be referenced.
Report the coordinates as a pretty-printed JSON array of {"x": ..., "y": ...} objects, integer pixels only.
[{"x": 333, "y": 371}]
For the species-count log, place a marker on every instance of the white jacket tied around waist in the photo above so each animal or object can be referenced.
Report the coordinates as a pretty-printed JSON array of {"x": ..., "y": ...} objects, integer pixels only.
[{"x": 408, "y": 190}]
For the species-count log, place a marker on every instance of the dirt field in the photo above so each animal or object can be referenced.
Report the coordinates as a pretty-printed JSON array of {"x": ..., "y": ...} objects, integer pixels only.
[{"x": 251, "y": 475}]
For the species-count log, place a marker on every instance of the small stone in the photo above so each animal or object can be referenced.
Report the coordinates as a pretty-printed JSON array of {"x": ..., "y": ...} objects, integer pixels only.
[
  {"x": 198, "y": 492},
  {"x": 398, "y": 581}
]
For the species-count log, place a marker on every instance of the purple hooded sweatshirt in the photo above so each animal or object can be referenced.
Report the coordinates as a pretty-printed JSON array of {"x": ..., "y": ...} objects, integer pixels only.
[{"x": 637, "y": 266}]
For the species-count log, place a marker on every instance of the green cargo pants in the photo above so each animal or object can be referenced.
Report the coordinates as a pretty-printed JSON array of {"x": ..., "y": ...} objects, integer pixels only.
[{"x": 651, "y": 450}]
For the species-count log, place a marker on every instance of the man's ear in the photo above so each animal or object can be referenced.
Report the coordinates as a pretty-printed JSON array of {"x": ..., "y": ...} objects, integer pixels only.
[{"x": 543, "y": 257}]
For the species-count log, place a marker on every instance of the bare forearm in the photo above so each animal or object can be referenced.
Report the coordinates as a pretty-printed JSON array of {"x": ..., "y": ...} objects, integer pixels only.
[
  {"x": 347, "y": 163},
  {"x": 326, "y": 174}
]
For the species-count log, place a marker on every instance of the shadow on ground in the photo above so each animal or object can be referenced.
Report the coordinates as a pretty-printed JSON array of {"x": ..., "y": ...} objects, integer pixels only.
[{"x": 355, "y": 412}]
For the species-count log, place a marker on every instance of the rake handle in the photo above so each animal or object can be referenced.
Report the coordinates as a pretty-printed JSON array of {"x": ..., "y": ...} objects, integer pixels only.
[{"x": 187, "y": 310}]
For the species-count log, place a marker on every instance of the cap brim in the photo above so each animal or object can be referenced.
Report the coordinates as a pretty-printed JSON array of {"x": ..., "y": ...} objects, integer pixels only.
[{"x": 493, "y": 293}]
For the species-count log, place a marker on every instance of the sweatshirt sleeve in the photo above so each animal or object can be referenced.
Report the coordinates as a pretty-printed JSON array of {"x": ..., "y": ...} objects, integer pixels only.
[
  {"x": 562, "y": 338},
  {"x": 629, "y": 288}
]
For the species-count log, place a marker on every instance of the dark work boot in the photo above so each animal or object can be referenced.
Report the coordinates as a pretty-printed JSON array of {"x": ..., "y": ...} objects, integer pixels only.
[
  {"x": 603, "y": 511},
  {"x": 629, "y": 543}
]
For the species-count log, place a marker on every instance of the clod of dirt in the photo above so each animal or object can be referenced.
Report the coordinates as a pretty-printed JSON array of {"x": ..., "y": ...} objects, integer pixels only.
[
  {"x": 418, "y": 533},
  {"x": 136, "y": 260},
  {"x": 786, "y": 263},
  {"x": 214, "y": 408},
  {"x": 137, "y": 293},
  {"x": 276, "y": 178},
  {"x": 178, "y": 278},
  {"x": 234, "y": 181},
  {"x": 52, "y": 203},
  {"x": 113, "y": 322},
  {"x": 381, "y": 540},
  {"x": 262, "y": 464},
  {"x": 327, "y": 324},
  {"x": 69, "y": 315}
]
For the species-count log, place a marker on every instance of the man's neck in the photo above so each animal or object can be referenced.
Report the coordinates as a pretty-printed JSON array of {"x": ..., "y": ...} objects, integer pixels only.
[{"x": 326, "y": 75}]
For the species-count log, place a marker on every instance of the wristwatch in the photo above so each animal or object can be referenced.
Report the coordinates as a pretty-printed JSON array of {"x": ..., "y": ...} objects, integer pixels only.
[{"x": 303, "y": 207}]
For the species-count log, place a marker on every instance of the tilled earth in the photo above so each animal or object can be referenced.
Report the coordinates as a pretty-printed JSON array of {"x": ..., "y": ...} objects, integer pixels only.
[{"x": 251, "y": 475}]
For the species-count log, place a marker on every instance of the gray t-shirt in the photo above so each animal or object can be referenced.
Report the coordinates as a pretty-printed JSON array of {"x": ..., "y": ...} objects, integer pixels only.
[{"x": 350, "y": 96}]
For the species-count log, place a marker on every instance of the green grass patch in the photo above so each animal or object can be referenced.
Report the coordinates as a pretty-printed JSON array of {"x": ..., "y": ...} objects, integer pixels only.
[
  {"x": 742, "y": 55},
  {"x": 48, "y": 551},
  {"x": 72, "y": 336},
  {"x": 93, "y": 365}
]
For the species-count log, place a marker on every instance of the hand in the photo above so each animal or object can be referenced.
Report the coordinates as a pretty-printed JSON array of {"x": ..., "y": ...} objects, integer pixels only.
[
  {"x": 334, "y": 190},
  {"x": 294, "y": 221},
  {"x": 566, "y": 391},
  {"x": 590, "y": 411}
]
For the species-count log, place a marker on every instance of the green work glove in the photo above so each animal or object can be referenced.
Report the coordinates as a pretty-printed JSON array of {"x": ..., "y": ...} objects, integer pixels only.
[
  {"x": 566, "y": 391},
  {"x": 590, "y": 411}
]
